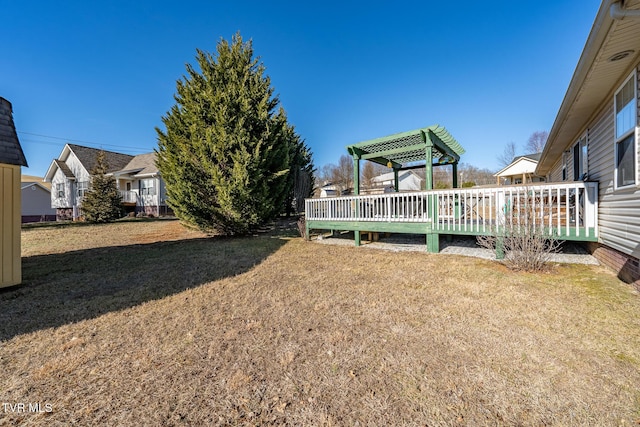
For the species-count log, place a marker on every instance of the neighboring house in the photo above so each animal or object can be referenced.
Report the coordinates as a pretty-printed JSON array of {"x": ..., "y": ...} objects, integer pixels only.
[
  {"x": 11, "y": 159},
  {"x": 596, "y": 131},
  {"x": 408, "y": 180},
  {"x": 36, "y": 200},
  {"x": 328, "y": 190},
  {"x": 520, "y": 171},
  {"x": 137, "y": 178}
]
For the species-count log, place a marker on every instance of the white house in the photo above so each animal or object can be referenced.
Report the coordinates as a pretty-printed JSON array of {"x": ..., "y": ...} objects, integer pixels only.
[
  {"x": 596, "y": 131},
  {"x": 408, "y": 180},
  {"x": 137, "y": 178},
  {"x": 328, "y": 190},
  {"x": 522, "y": 170}
]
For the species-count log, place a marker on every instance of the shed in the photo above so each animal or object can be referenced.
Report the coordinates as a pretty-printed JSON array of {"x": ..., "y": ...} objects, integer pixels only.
[{"x": 11, "y": 159}]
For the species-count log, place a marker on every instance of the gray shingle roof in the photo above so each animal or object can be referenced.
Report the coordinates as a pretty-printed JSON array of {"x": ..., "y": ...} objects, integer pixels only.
[
  {"x": 64, "y": 168},
  {"x": 10, "y": 150},
  {"x": 142, "y": 164},
  {"x": 535, "y": 157},
  {"x": 88, "y": 155}
]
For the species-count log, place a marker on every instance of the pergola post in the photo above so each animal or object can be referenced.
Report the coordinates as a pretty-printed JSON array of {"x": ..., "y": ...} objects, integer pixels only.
[
  {"x": 356, "y": 175},
  {"x": 428, "y": 169},
  {"x": 400, "y": 152},
  {"x": 454, "y": 171},
  {"x": 395, "y": 180}
]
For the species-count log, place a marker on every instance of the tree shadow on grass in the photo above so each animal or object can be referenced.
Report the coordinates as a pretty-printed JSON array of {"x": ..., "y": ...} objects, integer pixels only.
[{"x": 69, "y": 287}]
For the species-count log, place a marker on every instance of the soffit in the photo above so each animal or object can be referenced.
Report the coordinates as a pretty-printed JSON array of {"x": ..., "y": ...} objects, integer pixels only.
[{"x": 594, "y": 81}]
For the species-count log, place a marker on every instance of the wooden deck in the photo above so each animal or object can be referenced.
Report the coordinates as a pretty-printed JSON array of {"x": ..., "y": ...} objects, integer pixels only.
[{"x": 566, "y": 211}]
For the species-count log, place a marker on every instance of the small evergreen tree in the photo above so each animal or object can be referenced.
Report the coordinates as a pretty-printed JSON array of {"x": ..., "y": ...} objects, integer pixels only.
[
  {"x": 102, "y": 201},
  {"x": 226, "y": 153}
]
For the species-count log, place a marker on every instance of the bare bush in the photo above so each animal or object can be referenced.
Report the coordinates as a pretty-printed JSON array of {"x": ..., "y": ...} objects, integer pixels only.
[{"x": 521, "y": 238}]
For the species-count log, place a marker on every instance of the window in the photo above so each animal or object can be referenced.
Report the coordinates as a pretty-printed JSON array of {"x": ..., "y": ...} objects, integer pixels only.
[
  {"x": 580, "y": 160},
  {"x": 625, "y": 124},
  {"x": 147, "y": 187},
  {"x": 564, "y": 166},
  {"x": 83, "y": 186},
  {"x": 60, "y": 189}
]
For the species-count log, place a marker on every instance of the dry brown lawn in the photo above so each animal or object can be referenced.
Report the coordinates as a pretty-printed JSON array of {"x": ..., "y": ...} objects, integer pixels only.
[{"x": 115, "y": 325}]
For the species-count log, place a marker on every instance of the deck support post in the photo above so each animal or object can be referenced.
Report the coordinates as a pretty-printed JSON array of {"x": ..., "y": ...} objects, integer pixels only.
[
  {"x": 500, "y": 247},
  {"x": 307, "y": 236},
  {"x": 433, "y": 243},
  {"x": 356, "y": 237}
]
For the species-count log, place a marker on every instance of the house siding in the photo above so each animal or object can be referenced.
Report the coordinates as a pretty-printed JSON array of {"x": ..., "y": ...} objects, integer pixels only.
[
  {"x": 618, "y": 210},
  {"x": 60, "y": 202},
  {"x": 36, "y": 205},
  {"x": 555, "y": 175}
]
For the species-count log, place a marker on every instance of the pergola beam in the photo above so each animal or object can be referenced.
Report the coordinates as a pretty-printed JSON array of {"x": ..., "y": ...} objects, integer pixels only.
[
  {"x": 442, "y": 147},
  {"x": 420, "y": 145},
  {"x": 395, "y": 151}
]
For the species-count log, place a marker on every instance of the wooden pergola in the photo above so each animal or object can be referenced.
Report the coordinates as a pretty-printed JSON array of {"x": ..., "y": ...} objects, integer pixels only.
[
  {"x": 427, "y": 147},
  {"x": 566, "y": 210}
]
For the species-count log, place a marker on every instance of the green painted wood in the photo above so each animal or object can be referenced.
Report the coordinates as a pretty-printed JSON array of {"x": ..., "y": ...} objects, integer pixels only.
[
  {"x": 442, "y": 146},
  {"x": 428, "y": 173},
  {"x": 500, "y": 248},
  {"x": 395, "y": 180},
  {"x": 356, "y": 235},
  {"x": 447, "y": 139},
  {"x": 407, "y": 146},
  {"x": 389, "y": 227},
  {"x": 433, "y": 243},
  {"x": 356, "y": 176},
  {"x": 582, "y": 234},
  {"x": 393, "y": 152},
  {"x": 454, "y": 171}
]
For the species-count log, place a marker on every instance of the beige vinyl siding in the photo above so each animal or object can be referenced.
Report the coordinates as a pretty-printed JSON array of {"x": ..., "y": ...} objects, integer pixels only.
[
  {"x": 10, "y": 261},
  {"x": 555, "y": 175},
  {"x": 619, "y": 210}
]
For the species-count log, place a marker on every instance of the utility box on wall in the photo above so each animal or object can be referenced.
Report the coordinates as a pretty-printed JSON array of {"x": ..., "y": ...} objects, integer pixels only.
[{"x": 11, "y": 159}]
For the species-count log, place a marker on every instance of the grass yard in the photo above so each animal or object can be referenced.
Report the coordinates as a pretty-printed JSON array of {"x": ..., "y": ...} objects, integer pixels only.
[{"x": 147, "y": 323}]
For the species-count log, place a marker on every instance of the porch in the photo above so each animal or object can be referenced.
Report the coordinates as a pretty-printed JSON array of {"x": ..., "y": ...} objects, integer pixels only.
[
  {"x": 129, "y": 198},
  {"x": 564, "y": 211}
]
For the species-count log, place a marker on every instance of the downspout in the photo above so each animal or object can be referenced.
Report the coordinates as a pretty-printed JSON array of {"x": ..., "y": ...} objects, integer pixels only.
[{"x": 618, "y": 12}]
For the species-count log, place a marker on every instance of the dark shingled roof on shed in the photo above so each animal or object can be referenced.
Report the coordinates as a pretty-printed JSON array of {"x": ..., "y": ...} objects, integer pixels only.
[{"x": 10, "y": 150}]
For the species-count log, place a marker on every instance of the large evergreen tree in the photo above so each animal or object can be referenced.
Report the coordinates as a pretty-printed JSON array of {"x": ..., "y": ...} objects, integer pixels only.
[
  {"x": 102, "y": 201},
  {"x": 226, "y": 152},
  {"x": 301, "y": 176}
]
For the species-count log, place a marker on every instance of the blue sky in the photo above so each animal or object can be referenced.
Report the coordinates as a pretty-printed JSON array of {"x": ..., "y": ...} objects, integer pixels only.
[{"x": 103, "y": 73}]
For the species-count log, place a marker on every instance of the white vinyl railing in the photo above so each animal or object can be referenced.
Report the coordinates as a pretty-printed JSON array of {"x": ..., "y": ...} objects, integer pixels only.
[
  {"x": 558, "y": 206},
  {"x": 129, "y": 196}
]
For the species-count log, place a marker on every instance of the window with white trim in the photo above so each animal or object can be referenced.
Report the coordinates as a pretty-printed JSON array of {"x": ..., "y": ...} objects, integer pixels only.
[
  {"x": 564, "y": 166},
  {"x": 147, "y": 187},
  {"x": 60, "y": 189},
  {"x": 625, "y": 132},
  {"x": 83, "y": 186}
]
